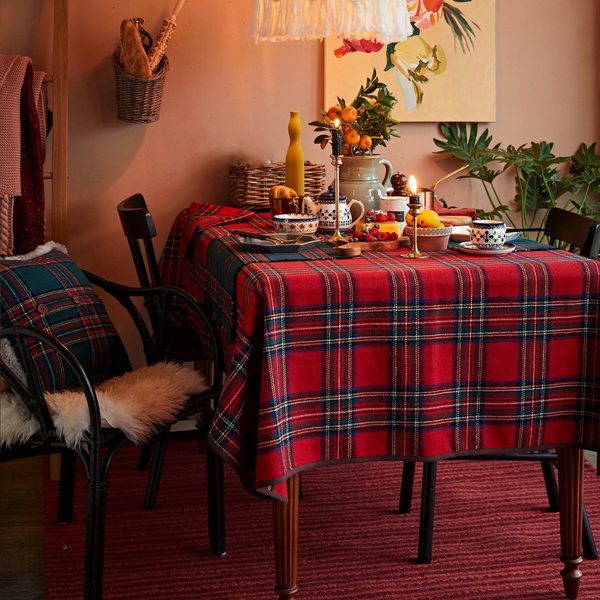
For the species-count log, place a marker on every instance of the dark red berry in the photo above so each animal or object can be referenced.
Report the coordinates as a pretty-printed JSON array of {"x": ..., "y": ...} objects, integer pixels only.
[
  {"x": 382, "y": 218},
  {"x": 370, "y": 212},
  {"x": 393, "y": 235},
  {"x": 369, "y": 238},
  {"x": 391, "y": 217}
]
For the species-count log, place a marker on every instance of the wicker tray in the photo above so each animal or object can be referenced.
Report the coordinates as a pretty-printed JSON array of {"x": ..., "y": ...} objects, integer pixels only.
[
  {"x": 249, "y": 186},
  {"x": 139, "y": 98}
]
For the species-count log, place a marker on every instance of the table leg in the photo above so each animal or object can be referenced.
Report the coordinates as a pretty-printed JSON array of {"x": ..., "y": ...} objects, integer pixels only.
[
  {"x": 285, "y": 535},
  {"x": 570, "y": 477}
]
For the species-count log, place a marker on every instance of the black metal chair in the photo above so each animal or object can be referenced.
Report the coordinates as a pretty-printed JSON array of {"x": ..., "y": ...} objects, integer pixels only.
[
  {"x": 184, "y": 346},
  {"x": 576, "y": 233},
  {"x": 102, "y": 443}
]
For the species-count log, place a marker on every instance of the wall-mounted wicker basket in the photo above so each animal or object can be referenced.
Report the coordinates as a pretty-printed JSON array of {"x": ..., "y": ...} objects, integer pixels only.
[
  {"x": 139, "y": 98},
  {"x": 249, "y": 186}
]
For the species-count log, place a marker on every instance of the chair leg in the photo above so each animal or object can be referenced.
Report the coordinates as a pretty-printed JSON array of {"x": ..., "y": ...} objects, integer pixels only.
[
  {"x": 160, "y": 449},
  {"x": 66, "y": 487},
  {"x": 587, "y": 539},
  {"x": 94, "y": 532},
  {"x": 406, "y": 488},
  {"x": 551, "y": 485},
  {"x": 216, "y": 502},
  {"x": 427, "y": 511},
  {"x": 145, "y": 456}
]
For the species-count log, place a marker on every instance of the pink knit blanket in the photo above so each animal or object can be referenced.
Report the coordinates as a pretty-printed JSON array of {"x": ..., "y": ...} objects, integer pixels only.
[{"x": 20, "y": 87}]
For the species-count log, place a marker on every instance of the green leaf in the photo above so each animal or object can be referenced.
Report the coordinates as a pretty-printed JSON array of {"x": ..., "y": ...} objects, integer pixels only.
[{"x": 389, "y": 50}]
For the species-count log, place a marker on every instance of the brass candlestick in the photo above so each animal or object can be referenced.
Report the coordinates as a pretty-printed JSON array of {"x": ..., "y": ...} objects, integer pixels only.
[
  {"x": 415, "y": 209},
  {"x": 337, "y": 237}
]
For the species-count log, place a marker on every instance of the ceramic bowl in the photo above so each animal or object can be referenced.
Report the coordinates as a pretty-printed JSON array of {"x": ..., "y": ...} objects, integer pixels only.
[
  {"x": 291, "y": 223},
  {"x": 430, "y": 239}
]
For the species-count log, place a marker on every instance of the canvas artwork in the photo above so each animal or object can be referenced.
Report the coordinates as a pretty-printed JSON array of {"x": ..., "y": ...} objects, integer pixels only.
[{"x": 446, "y": 71}]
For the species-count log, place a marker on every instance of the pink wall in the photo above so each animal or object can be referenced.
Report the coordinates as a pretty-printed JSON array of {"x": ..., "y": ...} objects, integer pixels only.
[{"x": 228, "y": 100}]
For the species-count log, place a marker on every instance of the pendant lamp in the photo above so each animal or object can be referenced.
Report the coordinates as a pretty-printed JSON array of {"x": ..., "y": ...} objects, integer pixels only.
[{"x": 383, "y": 21}]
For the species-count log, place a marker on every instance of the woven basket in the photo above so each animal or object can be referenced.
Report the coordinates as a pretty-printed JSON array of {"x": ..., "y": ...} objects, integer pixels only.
[
  {"x": 249, "y": 186},
  {"x": 139, "y": 98}
]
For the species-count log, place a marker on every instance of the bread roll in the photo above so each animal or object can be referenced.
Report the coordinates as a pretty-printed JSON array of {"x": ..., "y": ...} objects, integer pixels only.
[
  {"x": 133, "y": 57},
  {"x": 281, "y": 191}
]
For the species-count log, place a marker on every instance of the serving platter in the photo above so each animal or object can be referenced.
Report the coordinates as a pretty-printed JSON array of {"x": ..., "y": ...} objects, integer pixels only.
[
  {"x": 469, "y": 248},
  {"x": 267, "y": 246}
]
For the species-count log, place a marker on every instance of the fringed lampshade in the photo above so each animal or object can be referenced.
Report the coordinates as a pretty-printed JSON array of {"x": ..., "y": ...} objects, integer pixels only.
[{"x": 384, "y": 21}]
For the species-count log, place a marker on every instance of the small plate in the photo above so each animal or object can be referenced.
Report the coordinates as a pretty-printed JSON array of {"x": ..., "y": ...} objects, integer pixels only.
[
  {"x": 266, "y": 247},
  {"x": 512, "y": 235},
  {"x": 469, "y": 248}
]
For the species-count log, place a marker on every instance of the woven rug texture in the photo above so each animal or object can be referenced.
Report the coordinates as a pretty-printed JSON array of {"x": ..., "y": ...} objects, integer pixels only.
[{"x": 494, "y": 537}]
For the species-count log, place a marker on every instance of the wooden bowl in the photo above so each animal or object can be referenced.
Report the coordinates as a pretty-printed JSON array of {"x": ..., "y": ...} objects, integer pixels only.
[{"x": 428, "y": 239}]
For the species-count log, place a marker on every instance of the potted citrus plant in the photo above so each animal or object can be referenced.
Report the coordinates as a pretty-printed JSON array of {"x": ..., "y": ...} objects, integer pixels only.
[{"x": 366, "y": 124}]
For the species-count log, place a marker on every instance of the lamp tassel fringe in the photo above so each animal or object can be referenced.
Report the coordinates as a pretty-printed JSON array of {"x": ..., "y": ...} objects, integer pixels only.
[{"x": 385, "y": 21}]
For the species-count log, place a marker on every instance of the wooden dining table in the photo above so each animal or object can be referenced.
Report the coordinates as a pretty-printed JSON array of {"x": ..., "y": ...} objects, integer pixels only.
[{"x": 380, "y": 357}]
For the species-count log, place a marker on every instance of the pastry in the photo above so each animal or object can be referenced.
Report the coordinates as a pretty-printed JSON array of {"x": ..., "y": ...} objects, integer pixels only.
[
  {"x": 133, "y": 57},
  {"x": 377, "y": 223},
  {"x": 281, "y": 191}
]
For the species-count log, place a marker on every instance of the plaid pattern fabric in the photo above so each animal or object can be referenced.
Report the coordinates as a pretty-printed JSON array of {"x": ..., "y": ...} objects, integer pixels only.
[
  {"x": 50, "y": 292},
  {"x": 381, "y": 357}
]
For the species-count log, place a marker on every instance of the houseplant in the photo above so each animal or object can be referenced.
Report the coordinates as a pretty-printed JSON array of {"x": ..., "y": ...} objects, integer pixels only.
[
  {"x": 539, "y": 183},
  {"x": 366, "y": 124}
]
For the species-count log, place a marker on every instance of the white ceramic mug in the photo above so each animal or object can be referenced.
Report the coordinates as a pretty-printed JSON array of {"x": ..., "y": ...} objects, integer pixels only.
[{"x": 488, "y": 235}]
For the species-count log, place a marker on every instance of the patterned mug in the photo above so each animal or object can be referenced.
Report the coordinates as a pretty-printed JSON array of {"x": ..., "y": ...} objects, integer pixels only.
[{"x": 488, "y": 235}]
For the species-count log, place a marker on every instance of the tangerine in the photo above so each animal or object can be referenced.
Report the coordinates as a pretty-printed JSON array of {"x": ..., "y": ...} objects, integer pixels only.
[
  {"x": 351, "y": 137},
  {"x": 365, "y": 142},
  {"x": 349, "y": 114},
  {"x": 334, "y": 112},
  {"x": 345, "y": 150}
]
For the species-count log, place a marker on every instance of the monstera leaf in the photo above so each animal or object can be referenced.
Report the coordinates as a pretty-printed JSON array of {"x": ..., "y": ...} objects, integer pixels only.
[{"x": 468, "y": 148}]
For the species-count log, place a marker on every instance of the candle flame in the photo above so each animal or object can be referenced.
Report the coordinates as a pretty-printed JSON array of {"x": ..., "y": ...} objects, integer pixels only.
[
  {"x": 412, "y": 184},
  {"x": 337, "y": 123}
]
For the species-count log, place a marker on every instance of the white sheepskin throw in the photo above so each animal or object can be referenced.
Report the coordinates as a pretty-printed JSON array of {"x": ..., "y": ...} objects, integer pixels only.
[{"x": 137, "y": 403}]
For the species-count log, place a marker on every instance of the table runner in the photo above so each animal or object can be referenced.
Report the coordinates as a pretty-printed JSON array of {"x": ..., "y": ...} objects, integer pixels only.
[{"x": 381, "y": 357}]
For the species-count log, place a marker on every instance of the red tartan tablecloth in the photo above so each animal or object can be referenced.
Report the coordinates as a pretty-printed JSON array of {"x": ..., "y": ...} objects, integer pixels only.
[{"x": 380, "y": 357}]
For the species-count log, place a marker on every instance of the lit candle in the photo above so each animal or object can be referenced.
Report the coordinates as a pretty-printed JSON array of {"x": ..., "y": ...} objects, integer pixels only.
[
  {"x": 336, "y": 139},
  {"x": 414, "y": 197}
]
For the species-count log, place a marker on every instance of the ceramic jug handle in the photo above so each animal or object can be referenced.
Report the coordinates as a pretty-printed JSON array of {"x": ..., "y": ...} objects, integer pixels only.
[
  {"x": 362, "y": 210},
  {"x": 389, "y": 170}
]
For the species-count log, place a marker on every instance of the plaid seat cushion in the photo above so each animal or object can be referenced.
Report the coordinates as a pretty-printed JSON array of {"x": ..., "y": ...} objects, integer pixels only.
[{"x": 45, "y": 289}]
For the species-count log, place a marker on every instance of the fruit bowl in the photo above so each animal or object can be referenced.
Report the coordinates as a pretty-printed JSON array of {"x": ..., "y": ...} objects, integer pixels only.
[{"x": 430, "y": 238}]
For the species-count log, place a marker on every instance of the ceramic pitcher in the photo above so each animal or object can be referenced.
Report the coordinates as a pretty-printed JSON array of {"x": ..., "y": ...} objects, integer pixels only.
[
  {"x": 359, "y": 180},
  {"x": 324, "y": 209}
]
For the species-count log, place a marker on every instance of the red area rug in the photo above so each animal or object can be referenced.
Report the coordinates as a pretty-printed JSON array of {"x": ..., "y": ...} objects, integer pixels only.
[{"x": 494, "y": 538}]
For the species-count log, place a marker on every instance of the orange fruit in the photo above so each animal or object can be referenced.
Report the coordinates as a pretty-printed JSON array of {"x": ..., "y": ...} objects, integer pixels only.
[
  {"x": 349, "y": 114},
  {"x": 409, "y": 220},
  {"x": 345, "y": 150},
  {"x": 365, "y": 142},
  {"x": 334, "y": 112},
  {"x": 351, "y": 137},
  {"x": 428, "y": 219}
]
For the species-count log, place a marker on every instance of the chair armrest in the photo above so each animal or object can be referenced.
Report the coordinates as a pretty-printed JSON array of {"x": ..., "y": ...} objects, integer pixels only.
[
  {"x": 163, "y": 296},
  {"x": 30, "y": 391}
]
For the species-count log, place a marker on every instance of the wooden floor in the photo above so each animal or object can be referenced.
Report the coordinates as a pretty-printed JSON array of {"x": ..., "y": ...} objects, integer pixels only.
[{"x": 22, "y": 569}]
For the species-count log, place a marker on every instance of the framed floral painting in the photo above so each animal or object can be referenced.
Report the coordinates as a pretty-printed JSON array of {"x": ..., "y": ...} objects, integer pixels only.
[{"x": 446, "y": 71}]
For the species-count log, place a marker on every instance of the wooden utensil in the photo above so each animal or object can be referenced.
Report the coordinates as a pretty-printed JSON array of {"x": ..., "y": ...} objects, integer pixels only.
[{"x": 164, "y": 35}]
